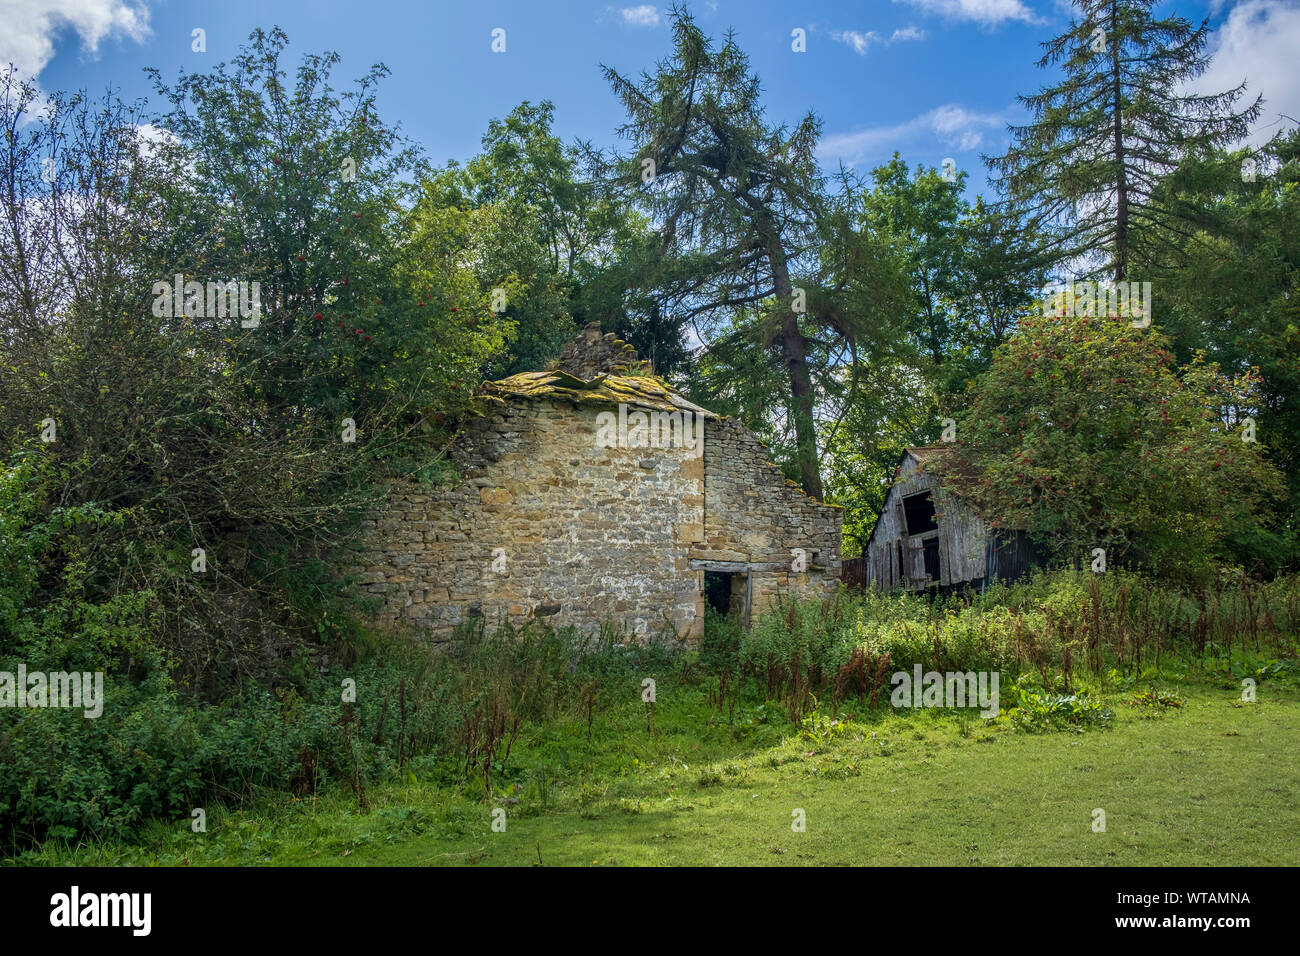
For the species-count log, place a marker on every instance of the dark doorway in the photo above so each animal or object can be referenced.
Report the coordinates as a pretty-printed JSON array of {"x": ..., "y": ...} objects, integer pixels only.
[
  {"x": 717, "y": 588},
  {"x": 932, "y": 559},
  {"x": 918, "y": 511}
]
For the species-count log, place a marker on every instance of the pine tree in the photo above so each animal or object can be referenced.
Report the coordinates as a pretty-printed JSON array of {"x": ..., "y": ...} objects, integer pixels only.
[
  {"x": 737, "y": 199},
  {"x": 740, "y": 209},
  {"x": 1101, "y": 140}
]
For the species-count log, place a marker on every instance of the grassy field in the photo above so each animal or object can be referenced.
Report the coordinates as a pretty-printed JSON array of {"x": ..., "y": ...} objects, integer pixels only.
[{"x": 1205, "y": 780}]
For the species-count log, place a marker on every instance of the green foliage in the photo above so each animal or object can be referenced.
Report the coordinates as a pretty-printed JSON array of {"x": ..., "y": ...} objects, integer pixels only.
[
  {"x": 185, "y": 431},
  {"x": 1262, "y": 671},
  {"x": 57, "y": 608},
  {"x": 884, "y": 777},
  {"x": 524, "y": 219},
  {"x": 796, "y": 649},
  {"x": 157, "y": 752},
  {"x": 1084, "y": 434},
  {"x": 821, "y": 729},
  {"x": 1053, "y": 626},
  {"x": 547, "y": 225},
  {"x": 1231, "y": 289},
  {"x": 1157, "y": 700},
  {"x": 1102, "y": 136},
  {"x": 720, "y": 646},
  {"x": 151, "y": 754},
  {"x": 744, "y": 220},
  {"x": 964, "y": 294},
  {"x": 310, "y": 203},
  {"x": 1028, "y": 707},
  {"x": 749, "y": 719}
]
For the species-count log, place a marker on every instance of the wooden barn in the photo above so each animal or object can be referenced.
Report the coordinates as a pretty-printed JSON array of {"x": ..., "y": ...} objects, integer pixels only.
[{"x": 928, "y": 537}]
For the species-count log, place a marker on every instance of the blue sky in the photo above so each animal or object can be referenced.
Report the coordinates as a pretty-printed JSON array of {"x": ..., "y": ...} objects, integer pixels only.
[{"x": 930, "y": 78}]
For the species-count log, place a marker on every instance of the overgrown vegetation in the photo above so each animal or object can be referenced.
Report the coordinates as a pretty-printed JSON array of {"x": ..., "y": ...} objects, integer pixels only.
[
  {"x": 1056, "y": 625},
  {"x": 1063, "y": 643},
  {"x": 1083, "y": 433},
  {"x": 179, "y": 489},
  {"x": 397, "y": 708}
]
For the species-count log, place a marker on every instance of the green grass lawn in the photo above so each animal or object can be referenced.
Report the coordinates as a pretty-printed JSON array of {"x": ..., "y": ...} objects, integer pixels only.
[{"x": 1213, "y": 782}]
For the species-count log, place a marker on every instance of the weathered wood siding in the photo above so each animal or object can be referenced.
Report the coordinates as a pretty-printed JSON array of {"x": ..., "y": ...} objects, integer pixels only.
[
  {"x": 962, "y": 536},
  {"x": 853, "y": 572}
]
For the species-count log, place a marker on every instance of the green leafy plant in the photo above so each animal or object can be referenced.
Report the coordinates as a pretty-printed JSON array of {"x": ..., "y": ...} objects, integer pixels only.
[
  {"x": 821, "y": 729},
  {"x": 1034, "y": 710},
  {"x": 1157, "y": 698}
]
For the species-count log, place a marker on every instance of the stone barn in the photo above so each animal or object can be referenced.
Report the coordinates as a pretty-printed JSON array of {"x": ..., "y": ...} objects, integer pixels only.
[
  {"x": 928, "y": 537},
  {"x": 593, "y": 493}
]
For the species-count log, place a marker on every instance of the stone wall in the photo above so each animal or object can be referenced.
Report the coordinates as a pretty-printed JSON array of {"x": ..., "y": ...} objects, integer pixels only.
[
  {"x": 585, "y": 534},
  {"x": 754, "y": 515},
  {"x": 544, "y": 522}
]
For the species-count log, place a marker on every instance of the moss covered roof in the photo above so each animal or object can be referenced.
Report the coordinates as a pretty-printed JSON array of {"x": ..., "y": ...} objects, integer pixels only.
[{"x": 645, "y": 391}]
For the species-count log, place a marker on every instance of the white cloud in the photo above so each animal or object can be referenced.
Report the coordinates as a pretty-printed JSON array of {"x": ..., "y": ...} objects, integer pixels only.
[
  {"x": 1257, "y": 43},
  {"x": 961, "y": 128},
  {"x": 29, "y": 28},
  {"x": 984, "y": 12},
  {"x": 643, "y": 16},
  {"x": 152, "y": 137},
  {"x": 861, "y": 42},
  {"x": 950, "y": 126}
]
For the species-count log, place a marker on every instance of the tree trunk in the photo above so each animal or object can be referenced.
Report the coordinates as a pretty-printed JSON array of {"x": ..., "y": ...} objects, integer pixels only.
[
  {"x": 794, "y": 354},
  {"x": 1121, "y": 183}
]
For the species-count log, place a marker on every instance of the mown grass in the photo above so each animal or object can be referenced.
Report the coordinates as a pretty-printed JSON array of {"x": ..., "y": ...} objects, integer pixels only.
[{"x": 1192, "y": 777}]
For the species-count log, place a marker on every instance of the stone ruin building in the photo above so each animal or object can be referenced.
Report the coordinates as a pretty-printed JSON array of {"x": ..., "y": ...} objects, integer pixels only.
[{"x": 593, "y": 493}]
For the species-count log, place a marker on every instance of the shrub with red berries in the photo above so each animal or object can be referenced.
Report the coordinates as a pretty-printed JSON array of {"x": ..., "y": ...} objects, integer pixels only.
[{"x": 1083, "y": 432}]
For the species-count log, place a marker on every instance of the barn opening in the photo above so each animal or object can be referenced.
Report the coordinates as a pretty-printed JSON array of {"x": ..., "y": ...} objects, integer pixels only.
[
  {"x": 932, "y": 559},
  {"x": 918, "y": 512},
  {"x": 717, "y": 589}
]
